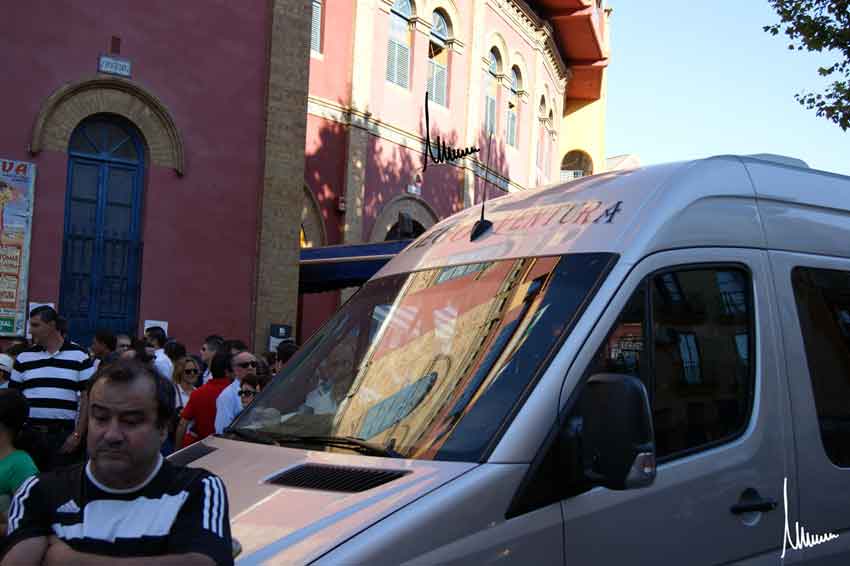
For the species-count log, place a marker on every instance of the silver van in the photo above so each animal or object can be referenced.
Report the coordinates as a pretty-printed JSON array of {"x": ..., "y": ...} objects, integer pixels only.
[{"x": 640, "y": 367}]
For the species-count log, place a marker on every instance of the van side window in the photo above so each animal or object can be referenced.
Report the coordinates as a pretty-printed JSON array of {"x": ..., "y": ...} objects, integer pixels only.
[
  {"x": 823, "y": 305},
  {"x": 692, "y": 354},
  {"x": 623, "y": 349}
]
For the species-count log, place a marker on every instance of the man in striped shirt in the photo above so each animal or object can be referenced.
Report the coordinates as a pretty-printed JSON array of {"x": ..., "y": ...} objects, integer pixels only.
[
  {"x": 127, "y": 505},
  {"x": 53, "y": 375}
]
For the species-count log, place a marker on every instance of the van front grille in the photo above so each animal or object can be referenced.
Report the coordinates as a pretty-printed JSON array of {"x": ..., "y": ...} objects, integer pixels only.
[{"x": 335, "y": 478}]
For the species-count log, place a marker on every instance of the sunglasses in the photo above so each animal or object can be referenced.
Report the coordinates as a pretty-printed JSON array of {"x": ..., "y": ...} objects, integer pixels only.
[
  {"x": 190, "y": 371},
  {"x": 247, "y": 393},
  {"x": 244, "y": 365}
]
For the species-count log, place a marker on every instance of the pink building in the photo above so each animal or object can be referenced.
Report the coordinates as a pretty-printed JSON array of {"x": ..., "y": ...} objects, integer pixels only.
[{"x": 500, "y": 78}]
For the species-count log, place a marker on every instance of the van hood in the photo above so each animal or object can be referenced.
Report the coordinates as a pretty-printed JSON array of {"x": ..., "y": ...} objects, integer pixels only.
[{"x": 282, "y": 524}]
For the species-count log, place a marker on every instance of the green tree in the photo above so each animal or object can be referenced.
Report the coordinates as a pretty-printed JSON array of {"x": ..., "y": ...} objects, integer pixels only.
[{"x": 821, "y": 26}]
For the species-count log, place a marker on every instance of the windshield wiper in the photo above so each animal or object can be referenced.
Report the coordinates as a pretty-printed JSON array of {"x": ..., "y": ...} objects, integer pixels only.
[
  {"x": 350, "y": 442},
  {"x": 278, "y": 439},
  {"x": 252, "y": 435}
]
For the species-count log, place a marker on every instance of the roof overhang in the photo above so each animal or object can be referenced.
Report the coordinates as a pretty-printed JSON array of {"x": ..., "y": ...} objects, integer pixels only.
[
  {"x": 579, "y": 29},
  {"x": 331, "y": 268}
]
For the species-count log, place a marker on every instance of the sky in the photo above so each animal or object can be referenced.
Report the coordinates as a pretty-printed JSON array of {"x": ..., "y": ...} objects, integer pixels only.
[{"x": 700, "y": 77}]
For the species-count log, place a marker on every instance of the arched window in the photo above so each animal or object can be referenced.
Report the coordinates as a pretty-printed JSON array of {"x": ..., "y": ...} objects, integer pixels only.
[
  {"x": 541, "y": 135},
  {"x": 438, "y": 62},
  {"x": 398, "y": 48},
  {"x": 513, "y": 107},
  {"x": 494, "y": 69},
  {"x": 316, "y": 27},
  {"x": 549, "y": 137},
  {"x": 576, "y": 164},
  {"x": 495, "y": 66}
]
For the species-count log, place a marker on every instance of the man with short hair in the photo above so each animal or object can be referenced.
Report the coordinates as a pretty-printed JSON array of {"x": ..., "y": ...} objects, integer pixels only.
[
  {"x": 211, "y": 345},
  {"x": 103, "y": 347},
  {"x": 228, "y": 404},
  {"x": 285, "y": 350},
  {"x": 122, "y": 343},
  {"x": 234, "y": 346},
  {"x": 201, "y": 408},
  {"x": 51, "y": 375},
  {"x": 127, "y": 505},
  {"x": 156, "y": 339}
]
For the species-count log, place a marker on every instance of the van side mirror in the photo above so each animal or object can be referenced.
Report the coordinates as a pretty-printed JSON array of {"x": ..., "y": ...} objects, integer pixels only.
[{"x": 618, "y": 442}]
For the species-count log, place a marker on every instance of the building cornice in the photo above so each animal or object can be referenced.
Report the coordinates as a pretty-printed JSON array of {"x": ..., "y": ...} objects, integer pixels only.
[{"x": 539, "y": 32}]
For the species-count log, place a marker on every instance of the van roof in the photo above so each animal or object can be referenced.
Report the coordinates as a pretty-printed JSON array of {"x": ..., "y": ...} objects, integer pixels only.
[{"x": 726, "y": 200}]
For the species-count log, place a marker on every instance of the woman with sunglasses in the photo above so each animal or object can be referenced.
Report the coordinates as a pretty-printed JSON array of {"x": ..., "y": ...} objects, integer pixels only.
[
  {"x": 184, "y": 377},
  {"x": 247, "y": 392}
]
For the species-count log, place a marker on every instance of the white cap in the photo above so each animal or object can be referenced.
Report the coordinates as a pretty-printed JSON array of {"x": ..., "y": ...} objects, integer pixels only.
[{"x": 6, "y": 363}]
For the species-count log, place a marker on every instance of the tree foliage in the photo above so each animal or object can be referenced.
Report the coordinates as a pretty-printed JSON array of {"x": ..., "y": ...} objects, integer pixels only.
[{"x": 820, "y": 26}]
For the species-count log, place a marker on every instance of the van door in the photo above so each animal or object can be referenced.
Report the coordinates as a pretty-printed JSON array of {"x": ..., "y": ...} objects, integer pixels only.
[
  {"x": 697, "y": 327},
  {"x": 814, "y": 292}
]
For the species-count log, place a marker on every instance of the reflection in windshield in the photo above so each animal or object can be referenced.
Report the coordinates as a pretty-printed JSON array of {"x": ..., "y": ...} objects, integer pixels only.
[{"x": 430, "y": 364}]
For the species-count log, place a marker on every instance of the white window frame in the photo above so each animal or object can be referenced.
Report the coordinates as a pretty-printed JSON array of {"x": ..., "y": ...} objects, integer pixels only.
[{"x": 316, "y": 27}]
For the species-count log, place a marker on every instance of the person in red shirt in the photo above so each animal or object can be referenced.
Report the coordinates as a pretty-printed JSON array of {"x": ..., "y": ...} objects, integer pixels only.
[{"x": 200, "y": 409}]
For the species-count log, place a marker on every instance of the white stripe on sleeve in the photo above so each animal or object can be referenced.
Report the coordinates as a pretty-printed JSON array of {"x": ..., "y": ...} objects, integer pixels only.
[
  {"x": 206, "y": 503},
  {"x": 216, "y": 506},
  {"x": 16, "y": 512},
  {"x": 221, "y": 512}
]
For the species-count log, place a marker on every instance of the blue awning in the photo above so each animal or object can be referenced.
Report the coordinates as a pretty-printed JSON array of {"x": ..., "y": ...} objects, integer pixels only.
[{"x": 336, "y": 267}]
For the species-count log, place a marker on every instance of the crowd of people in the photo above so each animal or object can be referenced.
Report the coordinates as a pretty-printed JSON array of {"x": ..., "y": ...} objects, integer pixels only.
[{"x": 80, "y": 426}]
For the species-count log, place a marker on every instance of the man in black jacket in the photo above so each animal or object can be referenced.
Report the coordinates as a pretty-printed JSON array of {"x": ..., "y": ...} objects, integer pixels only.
[{"x": 127, "y": 504}]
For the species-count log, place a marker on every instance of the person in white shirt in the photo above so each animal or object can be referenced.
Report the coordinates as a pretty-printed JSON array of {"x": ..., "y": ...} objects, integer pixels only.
[
  {"x": 156, "y": 339},
  {"x": 6, "y": 364},
  {"x": 228, "y": 404}
]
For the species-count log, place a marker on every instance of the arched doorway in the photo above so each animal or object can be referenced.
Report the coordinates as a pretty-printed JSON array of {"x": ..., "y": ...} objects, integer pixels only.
[
  {"x": 576, "y": 164},
  {"x": 403, "y": 217},
  {"x": 102, "y": 236},
  {"x": 406, "y": 228}
]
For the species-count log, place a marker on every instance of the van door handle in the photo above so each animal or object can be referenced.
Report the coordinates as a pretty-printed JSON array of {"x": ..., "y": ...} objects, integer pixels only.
[{"x": 752, "y": 502}]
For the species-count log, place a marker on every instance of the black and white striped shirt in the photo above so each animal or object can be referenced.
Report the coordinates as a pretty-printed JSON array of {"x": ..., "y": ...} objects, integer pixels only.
[
  {"x": 176, "y": 510},
  {"x": 52, "y": 383}
]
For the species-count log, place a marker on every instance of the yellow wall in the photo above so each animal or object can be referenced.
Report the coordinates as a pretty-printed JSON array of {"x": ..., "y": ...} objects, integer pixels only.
[{"x": 583, "y": 128}]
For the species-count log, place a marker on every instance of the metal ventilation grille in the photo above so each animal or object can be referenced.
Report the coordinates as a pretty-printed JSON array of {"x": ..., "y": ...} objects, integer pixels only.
[
  {"x": 194, "y": 452},
  {"x": 335, "y": 478}
]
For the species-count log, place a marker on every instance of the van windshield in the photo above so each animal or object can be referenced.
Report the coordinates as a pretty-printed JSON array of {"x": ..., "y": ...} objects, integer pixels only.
[{"x": 430, "y": 364}]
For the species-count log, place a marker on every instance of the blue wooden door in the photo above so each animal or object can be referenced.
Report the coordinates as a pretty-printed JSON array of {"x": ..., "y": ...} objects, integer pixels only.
[{"x": 102, "y": 244}]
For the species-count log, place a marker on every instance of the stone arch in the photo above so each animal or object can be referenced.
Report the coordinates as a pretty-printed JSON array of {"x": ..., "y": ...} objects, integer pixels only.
[
  {"x": 496, "y": 40},
  {"x": 452, "y": 15},
  {"x": 415, "y": 207},
  {"x": 312, "y": 221},
  {"x": 576, "y": 163},
  {"x": 69, "y": 105},
  {"x": 413, "y": 6},
  {"x": 518, "y": 61}
]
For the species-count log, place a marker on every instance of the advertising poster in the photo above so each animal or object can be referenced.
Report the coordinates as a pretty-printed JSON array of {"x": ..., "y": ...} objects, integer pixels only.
[{"x": 17, "y": 183}]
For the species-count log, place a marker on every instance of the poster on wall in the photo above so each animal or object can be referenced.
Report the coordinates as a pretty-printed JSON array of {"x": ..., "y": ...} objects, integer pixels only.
[{"x": 17, "y": 184}]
